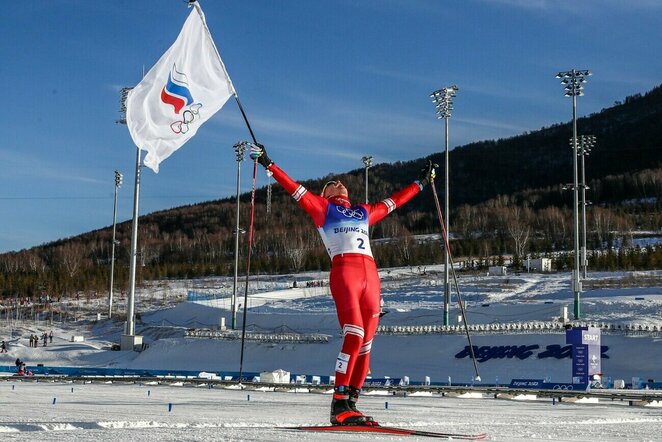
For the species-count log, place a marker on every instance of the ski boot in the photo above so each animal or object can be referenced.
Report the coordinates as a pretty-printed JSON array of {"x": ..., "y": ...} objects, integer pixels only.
[
  {"x": 341, "y": 411},
  {"x": 353, "y": 398}
]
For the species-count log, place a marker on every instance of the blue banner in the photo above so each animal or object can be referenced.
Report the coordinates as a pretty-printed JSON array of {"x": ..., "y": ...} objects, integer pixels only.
[
  {"x": 586, "y": 357},
  {"x": 539, "y": 384},
  {"x": 526, "y": 383}
]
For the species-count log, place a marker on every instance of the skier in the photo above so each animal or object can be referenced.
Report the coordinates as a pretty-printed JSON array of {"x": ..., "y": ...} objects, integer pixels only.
[
  {"x": 354, "y": 280},
  {"x": 20, "y": 367}
]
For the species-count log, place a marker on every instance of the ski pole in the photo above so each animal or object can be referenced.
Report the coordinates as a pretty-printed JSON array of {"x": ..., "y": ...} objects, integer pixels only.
[
  {"x": 248, "y": 268},
  {"x": 444, "y": 234},
  {"x": 250, "y": 236}
]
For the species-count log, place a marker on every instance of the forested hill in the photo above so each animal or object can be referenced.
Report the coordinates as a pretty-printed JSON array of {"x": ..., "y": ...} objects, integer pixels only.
[
  {"x": 629, "y": 139},
  {"x": 494, "y": 186}
]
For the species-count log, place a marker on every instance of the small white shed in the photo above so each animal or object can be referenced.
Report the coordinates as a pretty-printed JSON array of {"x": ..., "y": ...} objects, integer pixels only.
[
  {"x": 540, "y": 265},
  {"x": 497, "y": 271}
]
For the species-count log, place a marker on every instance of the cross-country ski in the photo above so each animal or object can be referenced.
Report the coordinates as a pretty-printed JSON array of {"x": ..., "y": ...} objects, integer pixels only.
[{"x": 389, "y": 430}]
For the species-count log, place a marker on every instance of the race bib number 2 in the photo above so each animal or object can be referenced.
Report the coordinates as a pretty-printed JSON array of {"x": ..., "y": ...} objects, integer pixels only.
[{"x": 342, "y": 362}]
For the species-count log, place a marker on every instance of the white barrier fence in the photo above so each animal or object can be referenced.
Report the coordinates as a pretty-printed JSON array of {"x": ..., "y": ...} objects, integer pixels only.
[
  {"x": 295, "y": 338},
  {"x": 520, "y": 327},
  {"x": 532, "y": 327}
]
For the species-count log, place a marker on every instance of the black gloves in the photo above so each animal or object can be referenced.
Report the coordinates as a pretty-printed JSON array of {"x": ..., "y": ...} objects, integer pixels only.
[
  {"x": 428, "y": 173},
  {"x": 258, "y": 151}
]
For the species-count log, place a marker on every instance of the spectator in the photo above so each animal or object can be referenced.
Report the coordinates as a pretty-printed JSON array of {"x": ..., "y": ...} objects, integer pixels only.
[
  {"x": 45, "y": 338},
  {"x": 4, "y": 347},
  {"x": 20, "y": 367},
  {"x": 50, "y": 337}
]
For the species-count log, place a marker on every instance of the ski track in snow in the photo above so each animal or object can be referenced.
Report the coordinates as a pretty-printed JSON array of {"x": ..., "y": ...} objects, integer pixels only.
[
  {"x": 111, "y": 412},
  {"x": 98, "y": 412}
]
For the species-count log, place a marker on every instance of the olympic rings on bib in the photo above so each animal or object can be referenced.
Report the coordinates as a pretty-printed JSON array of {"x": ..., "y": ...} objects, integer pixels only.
[{"x": 349, "y": 212}]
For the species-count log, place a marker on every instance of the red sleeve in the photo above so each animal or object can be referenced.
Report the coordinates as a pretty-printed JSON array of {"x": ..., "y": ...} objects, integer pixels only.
[
  {"x": 314, "y": 205},
  {"x": 377, "y": 211}
]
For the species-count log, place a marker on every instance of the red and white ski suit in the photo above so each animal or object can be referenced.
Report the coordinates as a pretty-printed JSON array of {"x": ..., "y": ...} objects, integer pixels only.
[{"x": 354, "y": 280}]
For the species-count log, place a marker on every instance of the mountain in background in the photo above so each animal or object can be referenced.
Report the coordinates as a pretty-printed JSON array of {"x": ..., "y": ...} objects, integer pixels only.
[
  {"x": 506, "y": 197},
  {"x": 629, "y": 140}
]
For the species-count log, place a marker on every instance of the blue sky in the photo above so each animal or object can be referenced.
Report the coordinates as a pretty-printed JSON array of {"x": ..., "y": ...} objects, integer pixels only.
[{"x": 323, "y": 83}]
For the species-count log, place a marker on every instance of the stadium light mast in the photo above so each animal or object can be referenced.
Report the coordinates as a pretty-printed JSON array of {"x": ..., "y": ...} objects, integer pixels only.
[
  {"x": 118, "y": 183},
  {"x": 129, "y": 339},
  {"x": 443, "y": 100},
  {"x": 573, "y": 82},
  {"x": 367, "y": 163},
  {"x": 587, "y": 142},
  {"x": 239, "y": 149}
]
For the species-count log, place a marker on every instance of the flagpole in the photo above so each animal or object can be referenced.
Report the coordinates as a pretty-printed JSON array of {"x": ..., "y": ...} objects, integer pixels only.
[
  {"x": 195, "y": 4},
  {"x": 144, "y": 137},
  {"x": 243, "y": 114}
]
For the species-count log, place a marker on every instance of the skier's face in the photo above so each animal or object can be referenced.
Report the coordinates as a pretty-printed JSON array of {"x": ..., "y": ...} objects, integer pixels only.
[{"x": 334, "y": 188}]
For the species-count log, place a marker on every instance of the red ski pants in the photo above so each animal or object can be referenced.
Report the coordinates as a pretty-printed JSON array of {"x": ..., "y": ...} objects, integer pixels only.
[{"x": 355, "y": 288}]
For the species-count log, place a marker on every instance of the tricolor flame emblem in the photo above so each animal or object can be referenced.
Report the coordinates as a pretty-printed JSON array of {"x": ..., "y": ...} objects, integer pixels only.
[{"x": 176, "y": 91}]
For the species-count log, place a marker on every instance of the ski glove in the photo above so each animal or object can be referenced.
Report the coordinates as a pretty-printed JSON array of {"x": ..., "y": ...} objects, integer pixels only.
[
  {"x": 259, "y": 152},
  {"x": 428, "y": 173}
]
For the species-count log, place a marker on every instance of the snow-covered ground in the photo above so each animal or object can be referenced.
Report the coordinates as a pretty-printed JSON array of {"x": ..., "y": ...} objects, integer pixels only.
[
  {"x": 412, "y": 298},
  {"x": 93, "y": 412}
]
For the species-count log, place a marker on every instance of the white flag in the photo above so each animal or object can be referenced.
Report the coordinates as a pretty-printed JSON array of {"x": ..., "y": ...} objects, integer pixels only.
[{"x": 184, "y": 89}]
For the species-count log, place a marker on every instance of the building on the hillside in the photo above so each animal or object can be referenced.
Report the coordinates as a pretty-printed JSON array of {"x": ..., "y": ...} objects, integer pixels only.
[
  {"x": 539, "y": 265},
  {"x": 497, "y": 271}
]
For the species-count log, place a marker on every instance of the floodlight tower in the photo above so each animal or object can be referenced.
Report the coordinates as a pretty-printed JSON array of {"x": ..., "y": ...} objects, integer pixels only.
[
  {"x": 240, "y": 149},
  {"x": 587, "y": 142},
  {"x": 118, "y": 183},
  {"x": 367, "y": 163},
  {"x": 573, "y": 85},
  {"x": 443, "y": 100},
  {"x": 129, "y": 340}
]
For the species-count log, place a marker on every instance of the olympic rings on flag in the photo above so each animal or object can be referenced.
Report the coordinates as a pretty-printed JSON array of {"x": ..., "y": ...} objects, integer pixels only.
[{"x": 188, "y": 116}]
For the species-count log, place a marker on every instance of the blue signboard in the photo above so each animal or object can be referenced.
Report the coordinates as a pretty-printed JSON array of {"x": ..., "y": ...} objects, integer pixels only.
[
  {"x": 540, "y": 384},
  {"x": 586, "y": 360},
  {"x": 526, "y": 383}
]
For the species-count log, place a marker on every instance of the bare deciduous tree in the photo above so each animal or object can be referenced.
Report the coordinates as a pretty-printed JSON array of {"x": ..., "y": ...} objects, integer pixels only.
[
  {"x": 518, "y": 227},
  {"x": 70, "y": 257}
]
